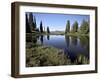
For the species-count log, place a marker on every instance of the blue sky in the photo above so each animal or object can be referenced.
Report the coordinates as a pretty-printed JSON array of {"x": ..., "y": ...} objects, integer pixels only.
[{"x": 57, "y": 22}]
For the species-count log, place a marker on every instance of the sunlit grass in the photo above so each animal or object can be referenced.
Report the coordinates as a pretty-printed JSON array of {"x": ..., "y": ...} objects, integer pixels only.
[
  {"x": 45, "y": 56},
  {"x": 50, "y": 56}
]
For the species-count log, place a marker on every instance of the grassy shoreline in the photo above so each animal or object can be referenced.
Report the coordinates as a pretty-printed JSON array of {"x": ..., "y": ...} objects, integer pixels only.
[
  {"x": 76, "y": 34},
  {"x": 67, "y": 34},
  {"x": 45, "y": 56},
  {"x": 50, "y": 56}
]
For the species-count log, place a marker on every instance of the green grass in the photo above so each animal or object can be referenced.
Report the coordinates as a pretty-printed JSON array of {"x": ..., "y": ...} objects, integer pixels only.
[
  {"x": 58, "y": 33},
  {"x": 76, "y": 34},
  {"x": 50, "y": 56},
  {"x": 45, "y": 56}
]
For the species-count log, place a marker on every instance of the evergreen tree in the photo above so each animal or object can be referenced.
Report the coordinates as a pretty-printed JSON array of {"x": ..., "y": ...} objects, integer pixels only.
[
  {"x": 32, "y": 22},
  {"x": 28, "y": 30},
  {"x": 48, "y": 30},
  {"x": 84, "y": 28},
  {"x": 67, "y": 27},
  {"x": 41, "y": 27},
  {"x": 75, "y": 27}
]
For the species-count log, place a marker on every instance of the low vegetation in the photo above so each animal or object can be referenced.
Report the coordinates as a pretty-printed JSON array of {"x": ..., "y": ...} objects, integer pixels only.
[
  {"x": 45, "y": 56},
  {"x": 50, "y": 56}
]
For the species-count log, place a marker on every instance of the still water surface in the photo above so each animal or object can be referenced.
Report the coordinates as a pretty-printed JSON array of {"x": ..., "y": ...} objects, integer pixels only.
[{"x": 72, "y": 45}]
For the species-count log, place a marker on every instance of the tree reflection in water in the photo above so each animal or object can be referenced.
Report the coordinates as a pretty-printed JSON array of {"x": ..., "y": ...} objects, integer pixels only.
[
  {"x": 48, "y": 37},
  {"x": 41, "y": 39},
  {"x": 67, "y": 39},
  {"x": 84, "y": 41},
  {"x": 74, "y": 40}
]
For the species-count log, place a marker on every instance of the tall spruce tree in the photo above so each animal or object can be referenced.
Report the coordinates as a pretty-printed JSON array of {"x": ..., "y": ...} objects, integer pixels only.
[
  {"x": 48, "y": 30},
  {"x": 28, "y": 29},
  {"x": 41, "y": 27},
  {"x": 84, "y": 28},
  {"x": 67, "y": 27},
  {"x": 75, "y": 27},
  {"x": 32, "y": 22}
]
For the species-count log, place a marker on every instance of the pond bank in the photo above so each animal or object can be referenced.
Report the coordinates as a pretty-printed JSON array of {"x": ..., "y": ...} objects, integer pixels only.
[
  {"x": 50, "y": 56},
  {"x": 45, "y": 56}
]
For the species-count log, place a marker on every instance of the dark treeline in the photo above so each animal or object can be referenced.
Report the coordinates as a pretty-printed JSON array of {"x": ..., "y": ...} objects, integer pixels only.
[
  {"x": 82, "y": 29},
  {"x": 31, "y": 25}
]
